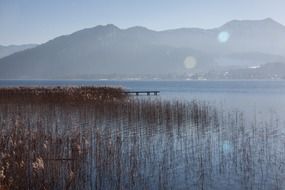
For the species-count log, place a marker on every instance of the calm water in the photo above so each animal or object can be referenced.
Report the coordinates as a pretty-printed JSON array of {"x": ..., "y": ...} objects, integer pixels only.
[
  {"x": 158, "y": 148},
  {"x": 261, "y": 97}
]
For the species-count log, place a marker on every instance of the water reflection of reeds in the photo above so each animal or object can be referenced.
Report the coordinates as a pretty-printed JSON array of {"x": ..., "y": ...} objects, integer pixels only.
[{"x": 137, "y": 144}]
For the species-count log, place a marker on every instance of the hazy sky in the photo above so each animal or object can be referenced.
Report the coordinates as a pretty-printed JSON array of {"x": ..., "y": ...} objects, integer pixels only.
[{"x": 37, "y": 21}]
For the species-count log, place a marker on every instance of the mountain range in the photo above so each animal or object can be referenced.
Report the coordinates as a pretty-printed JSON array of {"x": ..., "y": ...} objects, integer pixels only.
[
  {"x": 137, "y": 51},
  {"x": 9, "y": 50}
]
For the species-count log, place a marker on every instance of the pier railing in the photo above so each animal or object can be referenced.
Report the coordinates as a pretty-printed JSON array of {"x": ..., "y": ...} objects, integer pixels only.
[{"x": 148, "y": 93}]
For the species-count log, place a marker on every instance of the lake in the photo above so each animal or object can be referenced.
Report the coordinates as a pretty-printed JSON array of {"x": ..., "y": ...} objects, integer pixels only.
[
  {"x": 138, "y": 144},
  {"x": 260, "y": 97}
]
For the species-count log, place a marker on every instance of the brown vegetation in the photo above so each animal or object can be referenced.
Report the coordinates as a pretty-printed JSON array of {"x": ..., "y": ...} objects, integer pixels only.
[
  {"x": 137, "y": 144},
  {"x": 62, "y": 94}
]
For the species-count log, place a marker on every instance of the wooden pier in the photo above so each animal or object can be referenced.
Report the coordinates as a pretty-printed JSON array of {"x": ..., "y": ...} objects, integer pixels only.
[{"x": 148, "y": 93}]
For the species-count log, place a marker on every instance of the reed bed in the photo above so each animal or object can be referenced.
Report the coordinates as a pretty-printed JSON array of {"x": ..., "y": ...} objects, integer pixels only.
[
  {"x": 138, "y": 144},
  {"x": 62, "y": 94}
]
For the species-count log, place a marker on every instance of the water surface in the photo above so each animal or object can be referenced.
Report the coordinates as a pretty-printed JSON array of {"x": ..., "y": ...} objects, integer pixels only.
[{"x": 261, "y": 97}]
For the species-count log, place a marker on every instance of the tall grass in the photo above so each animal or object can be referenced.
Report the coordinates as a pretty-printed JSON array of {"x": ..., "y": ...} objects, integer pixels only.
[
  {"x": 137, "y": 144},
  {"x": 62, "y": 94}
]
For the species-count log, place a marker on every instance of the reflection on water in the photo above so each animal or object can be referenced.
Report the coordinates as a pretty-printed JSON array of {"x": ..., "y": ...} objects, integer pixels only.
[{"x": 142, "y": 144}]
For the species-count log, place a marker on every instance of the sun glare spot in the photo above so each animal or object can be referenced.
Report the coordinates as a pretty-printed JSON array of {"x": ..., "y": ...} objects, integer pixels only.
[
  {"x": 190, "y": 62},
  {"x": 227, "y": 147},
  {"x": 224, "y": 36}
]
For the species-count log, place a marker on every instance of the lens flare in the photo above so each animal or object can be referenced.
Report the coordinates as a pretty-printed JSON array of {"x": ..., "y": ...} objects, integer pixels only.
[
  {"x": 190, "y": 62},
  {"x": 224, "y": 36},
  {"x": 227, "y": 147}
]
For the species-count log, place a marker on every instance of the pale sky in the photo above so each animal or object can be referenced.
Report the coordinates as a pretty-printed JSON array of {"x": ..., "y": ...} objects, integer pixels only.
[{"x": 37, "y": 21}]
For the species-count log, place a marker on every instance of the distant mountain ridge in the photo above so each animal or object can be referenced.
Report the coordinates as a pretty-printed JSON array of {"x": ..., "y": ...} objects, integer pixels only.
[
  {"x": 109, "y": 50},
  {"x": 9, "y": 50}
]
